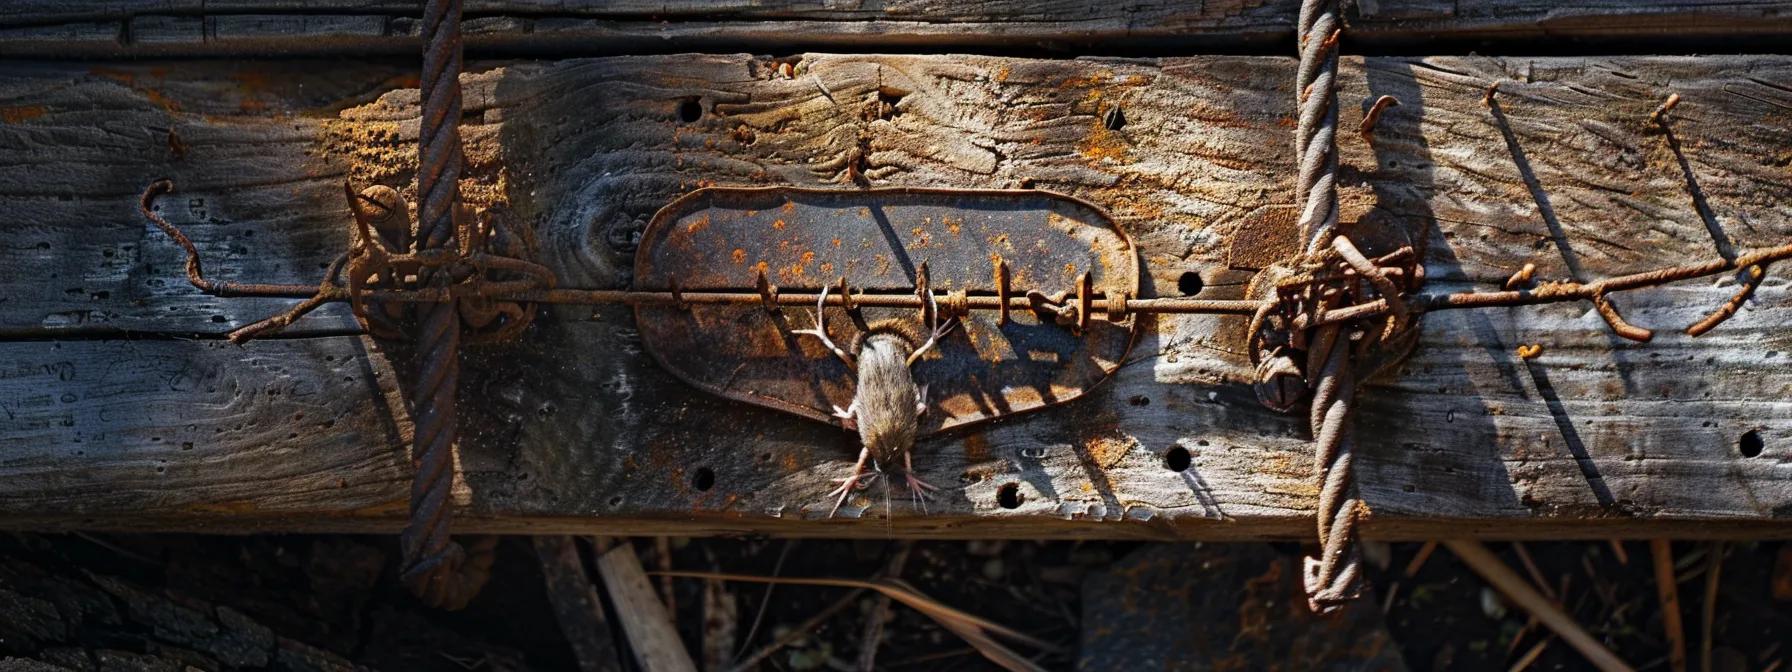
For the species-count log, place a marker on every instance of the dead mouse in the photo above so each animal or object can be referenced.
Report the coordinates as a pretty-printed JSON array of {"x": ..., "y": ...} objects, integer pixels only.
[{"x": 887, "y": 405}]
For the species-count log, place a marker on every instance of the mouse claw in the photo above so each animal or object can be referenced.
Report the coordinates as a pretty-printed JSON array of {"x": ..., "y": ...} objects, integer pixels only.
[{"x": 847, "y": 484}]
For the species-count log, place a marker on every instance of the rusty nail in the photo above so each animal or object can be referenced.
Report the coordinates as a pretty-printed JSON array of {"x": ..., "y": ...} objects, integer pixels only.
[
  {"x": 1492, "y": 90},
  {"x": 1084, "y": 292},
  {"x": 1660, "y": 113},
  {"x": 1373, "y": 117},
  {"x": 1002, "y": 290},
  {"x": 922, "y": 291},
  {"x": 768, "y": 292},
  {"x": 1520, "y": 278},
  {"x": 1530, "y": 351}
]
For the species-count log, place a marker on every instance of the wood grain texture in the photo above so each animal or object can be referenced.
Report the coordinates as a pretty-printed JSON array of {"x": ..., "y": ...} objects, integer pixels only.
[
  {"x": 114, "y": 28},
  {"x": 575, "y": 430}
]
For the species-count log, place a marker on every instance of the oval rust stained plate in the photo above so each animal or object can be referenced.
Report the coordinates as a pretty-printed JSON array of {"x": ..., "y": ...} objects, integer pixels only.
[{"x": 720, "y": 238}]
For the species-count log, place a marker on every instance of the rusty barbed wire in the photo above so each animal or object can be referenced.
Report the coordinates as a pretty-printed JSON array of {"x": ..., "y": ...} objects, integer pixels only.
[{"x": 538, "y": 289}]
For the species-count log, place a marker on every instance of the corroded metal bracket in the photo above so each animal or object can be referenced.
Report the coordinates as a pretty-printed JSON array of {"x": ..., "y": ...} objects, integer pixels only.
[{"x": 886, "y": 243}]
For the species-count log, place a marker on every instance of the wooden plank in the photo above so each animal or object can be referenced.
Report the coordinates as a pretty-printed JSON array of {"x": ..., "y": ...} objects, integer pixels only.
[
  {"x": 77, "y": 144},
  {"x": 574, "y": 430},
  {"x": 296, "y": 27}
]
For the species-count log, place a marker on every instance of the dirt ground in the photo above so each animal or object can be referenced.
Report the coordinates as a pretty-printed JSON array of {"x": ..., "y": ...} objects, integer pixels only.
[{"x": 333, "y": 602}]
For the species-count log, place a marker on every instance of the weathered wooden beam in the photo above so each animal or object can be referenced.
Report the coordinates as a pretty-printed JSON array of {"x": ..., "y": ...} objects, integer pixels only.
[
  {"x": 50, "y": 28},
  {"x": 575, "y": 430}
]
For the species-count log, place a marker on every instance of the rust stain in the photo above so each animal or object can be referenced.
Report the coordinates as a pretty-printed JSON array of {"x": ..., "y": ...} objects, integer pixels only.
[
  {"x": 1102, "y": 144},
  {"x": 129, "y": 79},
  {"x": 1092, "y": 79},
  {"x": 21, "y": 113},
  {"x": 1108, "y": 449},
  {"x": 253, "y": 84},
  {"x": 976, "y": 448},
  {"x": 953, "y": 224},
  {"x": 697, "y": 224},
  {"x": 778, "y": 224},
  {"x": 739, "y": 256}
]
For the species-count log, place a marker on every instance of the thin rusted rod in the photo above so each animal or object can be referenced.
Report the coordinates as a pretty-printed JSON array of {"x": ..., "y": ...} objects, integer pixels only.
[
  {"x": 1552, "y": 293},
  {"x": 1566, "y": 291},
  {"x": 1017, "y": 300}
]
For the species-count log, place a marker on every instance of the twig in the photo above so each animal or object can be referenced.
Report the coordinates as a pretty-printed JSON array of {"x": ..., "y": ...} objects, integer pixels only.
[
  {"x": 576, "y": 604},
  {"x": 1419, "y": 558},
  {"x": 1662, "y": 552},
  {"x": 873, "y": 634},
  {"x": 645, "y": 620},
  {"x": 764, "y": 601},
  {"x": 1708, "y": 627},
  {"x": 662, "y": 560},
  {"x": 971, "y": 628},
  {"x": 800, "y": 631},
  {"x": 1529, "y": 656},
  {"x": 1514, "y": 587},
  {"x": 1522, "y": 631},
  {"x": 1531, "y": 568}
]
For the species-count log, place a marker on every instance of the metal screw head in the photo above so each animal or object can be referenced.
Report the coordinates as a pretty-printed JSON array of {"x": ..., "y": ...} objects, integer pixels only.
[
  {"x": 389, "y": 214},
  {"x": 1280, "y": 384}
]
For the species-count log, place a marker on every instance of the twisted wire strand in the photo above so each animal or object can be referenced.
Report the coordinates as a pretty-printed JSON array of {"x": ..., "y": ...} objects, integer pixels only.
[
  {"x": 1335, "y": 577},
  {"x": 1316, "y": 130},
  {"x": 436, "y": 568}
]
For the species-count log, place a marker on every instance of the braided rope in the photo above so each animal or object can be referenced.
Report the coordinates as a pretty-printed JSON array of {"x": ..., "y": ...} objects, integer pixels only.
[
  {"x": 436, "y": 568},
  {"x": 1335, "y": 577}
]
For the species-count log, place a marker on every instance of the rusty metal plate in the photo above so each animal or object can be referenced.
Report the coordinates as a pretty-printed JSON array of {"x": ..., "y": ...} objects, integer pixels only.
[{"x": 803, "y": 239}]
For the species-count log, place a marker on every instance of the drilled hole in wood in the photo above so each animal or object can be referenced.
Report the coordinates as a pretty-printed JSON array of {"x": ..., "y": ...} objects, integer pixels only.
[
  {"x": 1190, "y": 283},
  {"x": 690, "y": 110},
  {"x": 887, "y": 98},
  {"x": 704, "y": 479},
  {"x": 1114, "y": 120},
  {"x": 1139, "y": 400},
  {"x": 1178, "y": 459},
  {"x": 1751, "y": 444},
  {"x": 1009, "y": 496}
]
